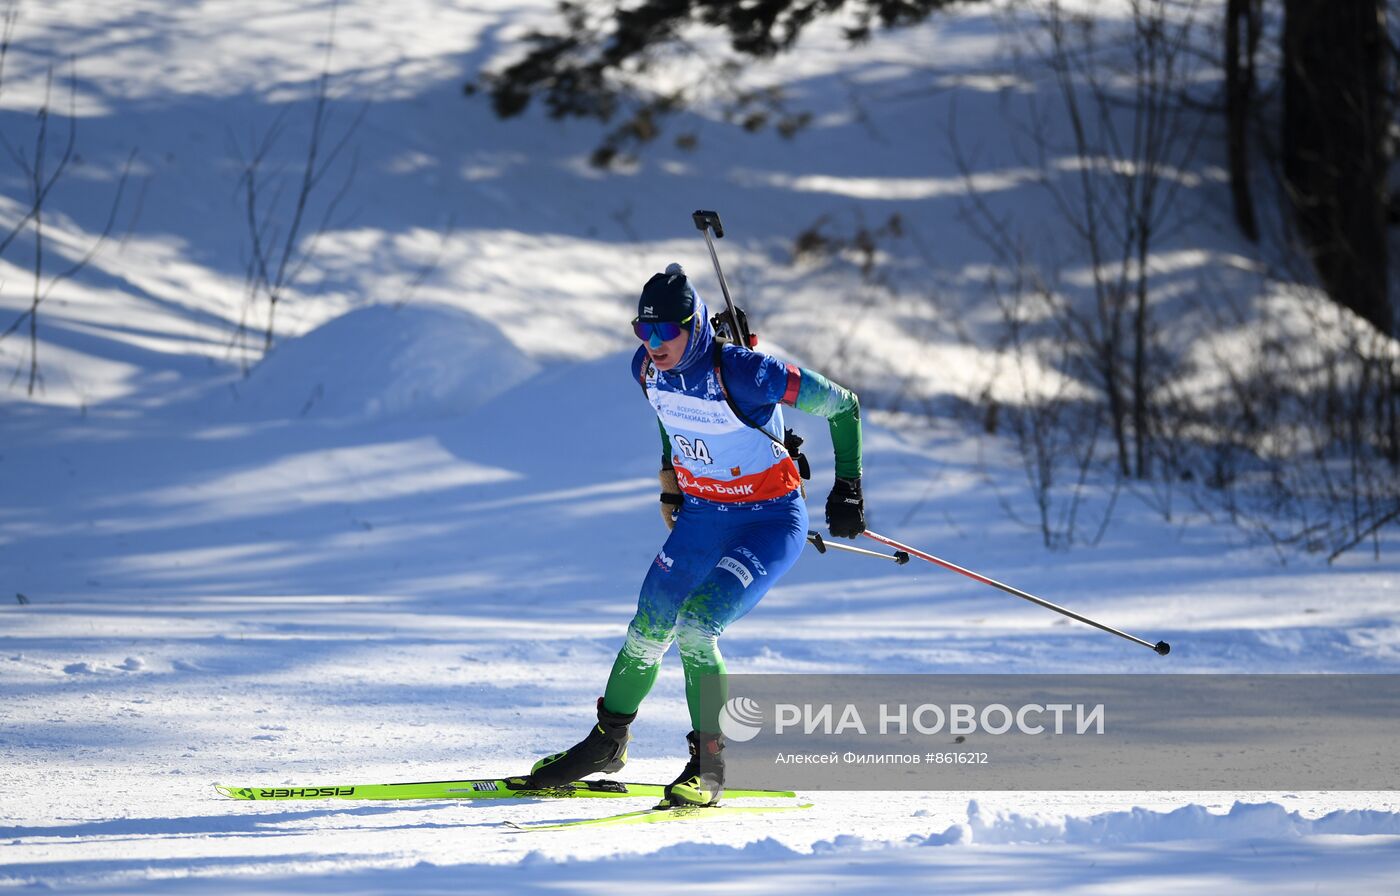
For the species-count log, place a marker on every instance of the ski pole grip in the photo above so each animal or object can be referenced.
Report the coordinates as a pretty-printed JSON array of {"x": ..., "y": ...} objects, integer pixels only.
[{"x": 706, "y": 219}]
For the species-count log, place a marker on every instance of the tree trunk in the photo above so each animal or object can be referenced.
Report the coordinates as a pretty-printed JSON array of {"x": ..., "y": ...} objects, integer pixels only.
[
  {"x": 1334, "y": 158},
  {"x": 1239, "y": 99}
]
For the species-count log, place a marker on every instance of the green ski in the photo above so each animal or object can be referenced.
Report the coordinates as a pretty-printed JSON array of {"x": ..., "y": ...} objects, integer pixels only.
[
  {"x": 656, "y": 814},
  {"x": 487, "y": 788}
]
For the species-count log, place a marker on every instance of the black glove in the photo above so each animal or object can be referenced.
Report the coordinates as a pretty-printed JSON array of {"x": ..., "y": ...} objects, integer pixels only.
[{"x": 845, "y": 509}]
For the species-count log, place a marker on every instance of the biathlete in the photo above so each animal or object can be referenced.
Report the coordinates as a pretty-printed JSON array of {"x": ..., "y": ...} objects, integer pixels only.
[{"x": 732, "y": 496}]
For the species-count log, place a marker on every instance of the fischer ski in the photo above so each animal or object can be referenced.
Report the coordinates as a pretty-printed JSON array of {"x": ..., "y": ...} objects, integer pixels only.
[
  {"x": 656, "y": 814},
  {"x": 486, "y": 788}
]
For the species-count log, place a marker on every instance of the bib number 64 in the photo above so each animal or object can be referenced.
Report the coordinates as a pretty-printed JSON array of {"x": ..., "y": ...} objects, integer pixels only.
[{"x": 694, "y": 450}]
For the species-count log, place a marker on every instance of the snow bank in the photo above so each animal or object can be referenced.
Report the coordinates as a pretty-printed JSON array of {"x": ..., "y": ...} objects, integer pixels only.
[
  {"x": 385, "y": 361},
  {"x": 1190, "y": 822},
  {"x": 1253, "y": 822}
]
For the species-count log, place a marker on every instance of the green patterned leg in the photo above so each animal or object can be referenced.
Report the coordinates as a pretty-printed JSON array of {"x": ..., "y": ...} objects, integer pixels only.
[
  {"x": 636, "y": 667},
  {"x": 705, "y": 683}
]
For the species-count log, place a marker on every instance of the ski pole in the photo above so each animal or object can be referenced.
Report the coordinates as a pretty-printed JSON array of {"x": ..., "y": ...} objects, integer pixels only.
[
  {"x": 899, "y": 557},
  {"x": 1161, "y": 647},
  {"x": 705, "y": 221}
]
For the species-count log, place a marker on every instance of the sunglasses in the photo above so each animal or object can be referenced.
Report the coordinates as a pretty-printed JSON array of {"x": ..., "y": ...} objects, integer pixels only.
[{"x": 666, "y": 330}]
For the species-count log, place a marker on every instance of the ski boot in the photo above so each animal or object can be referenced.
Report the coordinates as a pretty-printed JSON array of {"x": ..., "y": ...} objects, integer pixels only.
[
  {"x": 701, "y": 783},
  {"x": 603, "y": 750}
]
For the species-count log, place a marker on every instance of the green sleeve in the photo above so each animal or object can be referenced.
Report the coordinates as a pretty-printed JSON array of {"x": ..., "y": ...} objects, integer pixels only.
[
  {"x": 665, "y": 446},
  {"x": 841, "y": 408}
]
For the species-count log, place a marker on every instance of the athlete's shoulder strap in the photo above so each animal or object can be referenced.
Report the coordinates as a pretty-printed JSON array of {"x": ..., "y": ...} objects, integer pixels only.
[{"x": 717, "y": 357}]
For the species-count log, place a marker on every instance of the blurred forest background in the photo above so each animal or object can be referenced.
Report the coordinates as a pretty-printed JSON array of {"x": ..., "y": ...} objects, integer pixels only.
[{"x": 1297, "y": 433}]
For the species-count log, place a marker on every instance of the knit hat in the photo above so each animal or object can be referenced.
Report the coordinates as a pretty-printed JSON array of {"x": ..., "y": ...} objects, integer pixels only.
[{"x": 666, "y": 297}]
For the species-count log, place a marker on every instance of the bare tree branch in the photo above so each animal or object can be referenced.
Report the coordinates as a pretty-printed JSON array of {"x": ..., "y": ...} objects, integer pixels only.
[
  {"x": 43, "y": 174},
  {"x": 281, "y": 246}
]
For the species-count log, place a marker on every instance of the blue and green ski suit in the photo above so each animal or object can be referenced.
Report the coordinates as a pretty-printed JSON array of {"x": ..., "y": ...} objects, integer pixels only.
[{"x": 743, "y": 520}]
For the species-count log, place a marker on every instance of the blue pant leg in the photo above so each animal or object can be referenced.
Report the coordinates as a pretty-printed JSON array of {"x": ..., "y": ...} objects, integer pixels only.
[
  {"x": 676, "y": 569},
  {"x": 756, "y": 547},
  {"x": 759, "y": 546}
]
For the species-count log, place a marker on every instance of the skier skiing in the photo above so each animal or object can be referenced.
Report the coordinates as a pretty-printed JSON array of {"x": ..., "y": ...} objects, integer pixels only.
[{"x": 731, "y": 494}]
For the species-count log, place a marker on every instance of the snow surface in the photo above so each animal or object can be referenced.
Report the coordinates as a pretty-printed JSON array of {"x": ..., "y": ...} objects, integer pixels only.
[
  {"x": 382, "y": 361},
  {"x": 405, "y": 545}
]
